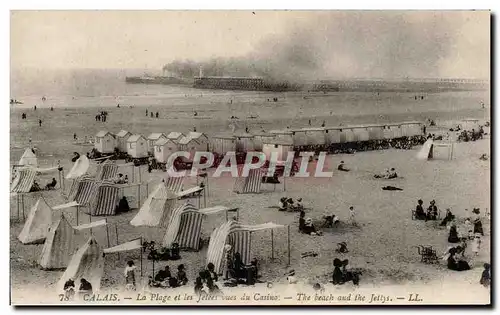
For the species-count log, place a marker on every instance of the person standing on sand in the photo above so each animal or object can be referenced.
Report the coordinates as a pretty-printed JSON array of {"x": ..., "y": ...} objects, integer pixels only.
[
  {"x": 146, "y": 113},
  {"x": 35, "y": 107},
  {"x": 40, "y": 122},
  {"x": 130, "y": 275},
  {"x": 151, "y": 114},
  {"x": 352, "y": 216},
  {"x": 157, "y": 115}
]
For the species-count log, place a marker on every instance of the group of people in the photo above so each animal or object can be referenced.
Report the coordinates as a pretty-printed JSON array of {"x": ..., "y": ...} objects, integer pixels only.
[
  {"x": 206, "y": 281},
  {"x": 430, "y": 214},
  {"x": 164, "y": 278},
  {"x": 389, "y": 174},
  {"x": 120, "y": 179},
  {"x": 102, "y": 116},
  {"x": 472, "y": 135},
  {"x": 287, "y": 204},
  {"x": 236, "y": 271},
  {"x": 341, "y": 275},
  {"x": 152, "y": 114},
  {"x": 50, "y": 186},
  {"x": 69, "y": 288},
  {"x": 306, "y": 225}
]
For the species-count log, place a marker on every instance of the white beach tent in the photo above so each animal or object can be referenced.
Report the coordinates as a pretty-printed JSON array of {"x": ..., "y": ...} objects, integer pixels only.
[
  {"x": 157, "y": 208},
  {"x": 37, "y": 225},
  {"x": 59, "y": 245},
  {"x": 80, "y": 167},
  {"x": 428, "y": 150},
  {"x": 86, "y": 263},
  {"x": 28, "y": 158}
]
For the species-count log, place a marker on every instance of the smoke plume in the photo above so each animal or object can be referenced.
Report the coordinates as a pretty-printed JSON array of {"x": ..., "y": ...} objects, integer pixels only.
[{"x": 353, "y": 44}]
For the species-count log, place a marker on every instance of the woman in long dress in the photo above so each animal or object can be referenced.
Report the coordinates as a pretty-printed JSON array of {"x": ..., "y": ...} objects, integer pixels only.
[{"x": 130, "y": 275}]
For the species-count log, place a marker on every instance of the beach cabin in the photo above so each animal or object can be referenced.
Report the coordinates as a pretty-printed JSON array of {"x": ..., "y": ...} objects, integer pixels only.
[
  {"x": 285, "y": 135},
  {"x": 332, "y": 135},
  {"x": 244, "y": 142},
  {"x": 259, "y": 138},
  {"x": 222, "y": 144},
  {"x": 469, "y": 124},
  {"x": 152, "y": 138},
  {"x": 412, "y": 128},
  {"x": 347, "y": 134},
  {"x": 361, "y": 133},
  {"x": 189, "y": 145},
  {"x": 105, "y": 142},
  {"x": 387, "y": 132},
  {"x": 309, "y": 136},
  {"x": 375, "y": 132},
  {"x": 163, "y": 148},
  {"x": 397, "y": 131},
  {"x": 281, "y": 147},
  {"x": 175, "y": 136},
  {"x": 121, "y": 139},
  {"x": 201, "y": 139},
  {"x": 137, "y": 146}
]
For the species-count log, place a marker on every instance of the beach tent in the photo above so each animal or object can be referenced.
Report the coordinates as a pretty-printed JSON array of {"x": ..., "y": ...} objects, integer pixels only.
[
  {"x": 105, "y": 200},
  {"x": 28, "y": 158},
  {"x": 174, "y": 183},
  {"x": 121, "y": 140},
  {"x": 250, "y": 184},
  {"x": 428, "y": 150},
  {"x": 238, "y": 236},
  {"x": 24, "y": 179},
  {"x": 157, "y": 208},
  {"x": 184, "y": 227},
  {"x": 106, "y": 170},
  {"x": 37, "y": 225},
  {"x": 86, "y": 263},
  {"x": 59, "y": 245},
  {"x": 83, "y": 190},
  {"x": 80, "y": 167}
]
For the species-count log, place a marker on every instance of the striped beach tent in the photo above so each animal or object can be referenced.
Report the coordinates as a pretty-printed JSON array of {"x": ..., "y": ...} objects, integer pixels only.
[
  {"x": 25, "y": 177},
  {"x": 186, "y": 216},
  {"x": 37, "y": 225},
  {"x": 86, "y": 263},
  {"x": 106, "y": 170},
  {"x": 59, "y": 245},
  {"x": 185, "y": 224},
  {"x": 238, "y": 236},
  {"x": 84, "y": 191},
  {"x": 105, "y": 200},
  {"x": 157, "y": 208},
  {"x": 250, "y": 184},
  {"x": 174, "y": 183}
]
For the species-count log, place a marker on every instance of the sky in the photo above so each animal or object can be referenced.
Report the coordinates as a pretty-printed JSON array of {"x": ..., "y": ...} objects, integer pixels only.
[{"x": 303, "y": 44}]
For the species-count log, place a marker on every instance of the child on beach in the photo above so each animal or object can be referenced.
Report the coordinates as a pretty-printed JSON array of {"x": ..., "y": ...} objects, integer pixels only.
[
  {"x": 476, "y": 244},
  {"x": 352, "y": 214}
]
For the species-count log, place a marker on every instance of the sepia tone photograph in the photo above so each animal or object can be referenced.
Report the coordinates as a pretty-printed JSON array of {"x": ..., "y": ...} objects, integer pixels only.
[{"x": 268, "y": 157}]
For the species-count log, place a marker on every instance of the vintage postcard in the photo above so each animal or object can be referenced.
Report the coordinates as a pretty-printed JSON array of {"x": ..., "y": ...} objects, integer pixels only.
[{"x": 250, "y": 158}]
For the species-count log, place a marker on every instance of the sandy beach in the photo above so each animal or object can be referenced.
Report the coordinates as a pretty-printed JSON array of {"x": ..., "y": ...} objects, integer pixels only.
[{"x": 383, "y": 244}]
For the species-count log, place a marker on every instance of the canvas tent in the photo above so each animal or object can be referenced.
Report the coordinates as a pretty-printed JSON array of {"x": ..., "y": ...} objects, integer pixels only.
[
  {"x": 106, "y": 170},
  {"x": 157, "y": 208},
  {"x": 28, "y": 158},
  {"x": 250, "y": 184},
  {"x": 80, "y": 167},
  {"x": 107, "y": 197},
  {"x": 428, "y": 150},
  {"x": 184, "y": 227},
  {"x": 37, "y": 225},
  {"x": 86, "y": 263},
  {"x": 25, "y": 177},
  {"x": 83, "y": 190},
  {"x": 239, "y": 237},
  {"x": 59, "y": 245}
]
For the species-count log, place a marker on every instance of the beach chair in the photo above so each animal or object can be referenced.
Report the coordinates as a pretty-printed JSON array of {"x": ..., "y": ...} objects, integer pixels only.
[{"x": 427, "y": 254}]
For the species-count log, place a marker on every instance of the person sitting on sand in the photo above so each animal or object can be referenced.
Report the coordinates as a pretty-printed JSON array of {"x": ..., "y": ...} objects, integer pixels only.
[
  {"x": 85, "y": 286},
  {"x": 162, "y": 278},
  {"x": 35, "y": 187},
  {"x": 484, "y": 157},
  {"x": 211, "y": 272},
  {"x": 120, "y": 179},
  {"x": 299, "y": 205},
  {"x": 448, "y": 218},
  {"x": 432, "y": 211},
  {"x": 51, "y": 185},
  {"x": 76, "y": 156},
  {"x": 125, "y": 180},
  {"x": 181, "y": 275},
  {"x": 282, "y": 205},
  {"x": 392, "y": 174},
  {"x": 342, "y": 248},
  {"x": 455, "y": 263},
  {"x": 310, "y": 229},
  {"x": 342, "y": 167},
  {"x": 453, "y": 234},
  {"x": 69, "y": 289},
  {"x": 485, "y": 276},
  {"x": 419, "y": 211},
  {"x": 238, "y": 266},
  {"x": 291, "y": 277}
]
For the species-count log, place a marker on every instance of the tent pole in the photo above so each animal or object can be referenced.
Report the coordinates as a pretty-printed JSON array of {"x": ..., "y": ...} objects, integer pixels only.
[
  {"x": 140, "y": 175},
  {"x": 22, "y": 202},
  {"x": 272, "y": 244},
  {"x": 77, "y": 210},
  {"x": 141, "y": 257},
  {"x": 147, "y": 188},
  {"x": 226, "y": 216},
  {"x": 139, "y": 196},
  {"x": 288, "y": 238},
  {"x": 133, "y": 173},
  {"x": 63, "y": 183},
  {"x": 18, "y": 214},
  {"x": 107, "y": 233},
  {"x": 204, "y": 198},
  {"x": 284, "y": 182},
  {"x": 116, "y": 230}
]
